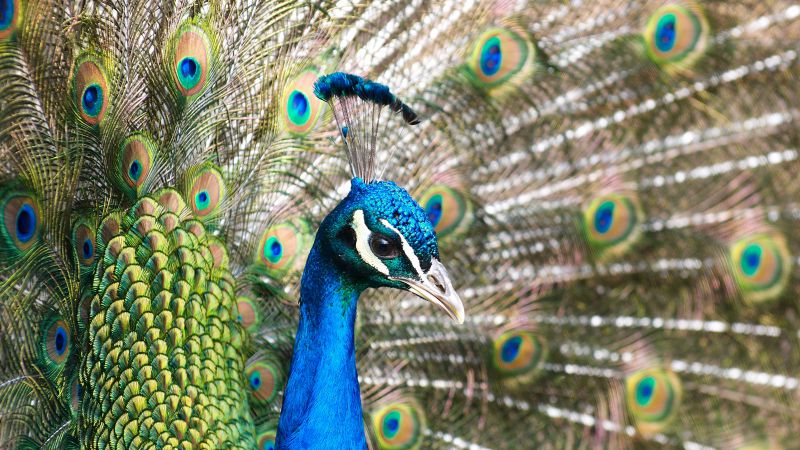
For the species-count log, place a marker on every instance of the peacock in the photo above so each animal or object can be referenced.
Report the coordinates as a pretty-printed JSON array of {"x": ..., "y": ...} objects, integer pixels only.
[
  {"x": 378, "y": 236},
  {"x": 225, "y": 224}
]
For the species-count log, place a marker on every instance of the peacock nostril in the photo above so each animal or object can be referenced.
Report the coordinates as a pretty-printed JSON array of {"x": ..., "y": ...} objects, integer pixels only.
[{"x": 438, "y": 282}]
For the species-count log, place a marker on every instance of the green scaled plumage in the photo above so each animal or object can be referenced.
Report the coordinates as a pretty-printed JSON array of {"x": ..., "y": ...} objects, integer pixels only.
[
  {"x": 164, "y": 324},
  {"x": 614, "y": 184}
]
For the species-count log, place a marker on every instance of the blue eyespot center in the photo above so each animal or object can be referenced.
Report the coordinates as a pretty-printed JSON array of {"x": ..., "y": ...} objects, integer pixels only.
[
  {"x": 391, "y": 424},
  {"x": 61, "y": 341},
  {"x": 604, "y": 217},
  {"x": 135, "y": 171},
  {"x": 751, "y": 259},
  {"x": 510, "y": 349},
  {"x": 202, "y": 200},
  {"x": 6, "y": 13},
  {"x": 276, "y": 248},
  {"x": 299, "y": 106},
  {"x": 269, "y": 445},
  {"x": 189, "y": 72},
  {"x": 26, "y": 223},
  {"x": 666, "y": 33},
  {"x": 255, "y": 380},
  {"x": 491, "y": 56},
  {"x": 188, "y": 67},
  {"x": 93, "y": 100},
  {"x": 88, "y": 249},
  {"x": 299, "y": 103},
  {"x": 644, "y": 390},
  {"x": 434, "y": 209},
  {"x": 273, "y": 250}
]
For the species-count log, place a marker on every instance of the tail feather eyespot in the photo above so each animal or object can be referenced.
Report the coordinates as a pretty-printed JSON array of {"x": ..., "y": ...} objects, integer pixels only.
[
  {"x": 90, "y": 88},
  {"x": 447, "y": 208},
  {"x": 611, "y": 223},
  {"x": 676, "y": 35},
  {"x": 517, "y": 353},
  {"x": 399, "y": 426},
  {"x": 10, "y": 18},
  {"x": 84, "y": 243},
  {"x": 264, "y": 379},
  {"x": 653, "y": 398},
  {"x": 190, "y": 59},
  {"x": 205, "y": 190},
  {"x": 501, "y": 56},
  {"x": 761, "y": 266},
  {"x": 22, "y": 221},
  {"x": 301, "y": 108},
  {"x": 56, "y": 342}
]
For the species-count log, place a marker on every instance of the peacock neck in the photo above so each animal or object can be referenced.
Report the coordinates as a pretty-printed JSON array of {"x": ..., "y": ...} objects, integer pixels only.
[{"x": 322, "y": 401}]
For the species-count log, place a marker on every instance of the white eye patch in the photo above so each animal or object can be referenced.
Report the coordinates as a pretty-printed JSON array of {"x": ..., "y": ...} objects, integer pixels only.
[
  {"x": 362, "y": 243},
  {"x": 406, "y": 249}
]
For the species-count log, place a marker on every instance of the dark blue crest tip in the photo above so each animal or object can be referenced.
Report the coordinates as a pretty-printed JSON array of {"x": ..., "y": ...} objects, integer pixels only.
[
  {"x": 337, "y": 84},
  {"x": 340, "y": 84},
  {"x": 375, "y": 92}
]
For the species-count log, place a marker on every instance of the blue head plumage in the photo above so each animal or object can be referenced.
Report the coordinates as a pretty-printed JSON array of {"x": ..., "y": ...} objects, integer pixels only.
[
  {"x": 381, "y": 235},
  {"x": 388, "y": 200}
]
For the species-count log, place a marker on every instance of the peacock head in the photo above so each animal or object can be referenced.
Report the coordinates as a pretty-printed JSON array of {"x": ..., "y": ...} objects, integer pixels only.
[
  {"x": 384, "y": 239},
  {"x": 378, "y": 233}
]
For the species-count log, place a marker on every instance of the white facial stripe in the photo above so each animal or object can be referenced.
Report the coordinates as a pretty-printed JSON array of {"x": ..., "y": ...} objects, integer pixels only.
[
  {"x": 362, "y": 243},
  {"x": 406, "y": 249}
]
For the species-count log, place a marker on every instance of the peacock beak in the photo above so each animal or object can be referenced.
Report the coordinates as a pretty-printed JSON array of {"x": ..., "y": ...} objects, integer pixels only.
[{"x": 435, "y": 287}]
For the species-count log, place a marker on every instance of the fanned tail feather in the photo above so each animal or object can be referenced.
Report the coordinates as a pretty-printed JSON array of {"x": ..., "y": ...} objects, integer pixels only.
[{"x": 615, "y": 183}]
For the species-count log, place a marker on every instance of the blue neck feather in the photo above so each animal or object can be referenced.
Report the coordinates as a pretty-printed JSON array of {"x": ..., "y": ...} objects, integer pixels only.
[{"x": 322, "y": 401}]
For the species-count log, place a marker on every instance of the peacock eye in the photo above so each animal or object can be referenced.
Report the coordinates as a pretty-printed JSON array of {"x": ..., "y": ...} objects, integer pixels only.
[{"x": 383, "y": 247}]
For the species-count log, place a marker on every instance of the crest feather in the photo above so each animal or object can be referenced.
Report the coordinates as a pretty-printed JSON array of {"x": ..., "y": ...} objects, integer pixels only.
[{"x": 357, "y": 104}]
